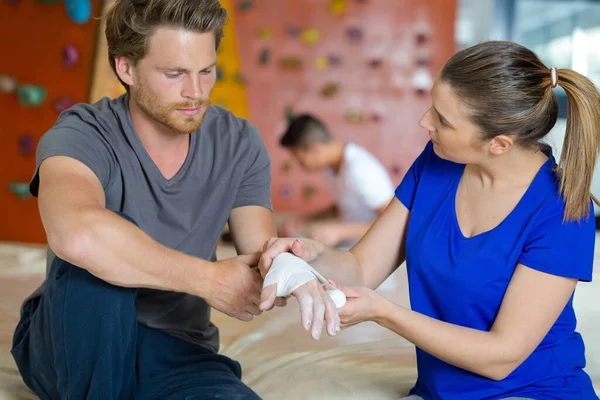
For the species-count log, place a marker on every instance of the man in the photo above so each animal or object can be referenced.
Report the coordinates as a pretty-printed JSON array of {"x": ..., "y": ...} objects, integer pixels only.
[
  {"x": 133, "y": 194},
  {"x": 360, "y": 185}
]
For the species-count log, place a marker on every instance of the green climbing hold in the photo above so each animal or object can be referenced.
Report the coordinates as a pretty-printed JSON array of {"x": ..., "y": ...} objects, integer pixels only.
[
  {"x": 289, "y": 114},
  {"x": 265, "y": 56},
  {"x": 245, "y": 5},
  {"x": 31, "y": 95},
  {"x": 20, "y": 189}
]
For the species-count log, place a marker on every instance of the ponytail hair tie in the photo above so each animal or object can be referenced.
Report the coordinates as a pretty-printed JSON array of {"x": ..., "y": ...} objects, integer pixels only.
[{"x": 554, "y": 76}]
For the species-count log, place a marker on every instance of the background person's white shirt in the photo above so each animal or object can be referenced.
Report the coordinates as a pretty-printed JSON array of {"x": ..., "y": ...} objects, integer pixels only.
[{"x": 361, "y": 187}]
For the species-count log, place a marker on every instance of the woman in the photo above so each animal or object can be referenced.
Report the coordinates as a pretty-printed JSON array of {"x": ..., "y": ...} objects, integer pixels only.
[{"x": 494, "y": 234}]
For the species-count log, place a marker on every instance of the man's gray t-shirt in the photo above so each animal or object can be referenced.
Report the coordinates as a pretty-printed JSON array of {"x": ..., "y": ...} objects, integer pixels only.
[{"x": 227, "y": 167}]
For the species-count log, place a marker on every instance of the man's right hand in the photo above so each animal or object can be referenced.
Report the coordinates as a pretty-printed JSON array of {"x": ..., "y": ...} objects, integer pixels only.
[{"x": 236, "y": 287}]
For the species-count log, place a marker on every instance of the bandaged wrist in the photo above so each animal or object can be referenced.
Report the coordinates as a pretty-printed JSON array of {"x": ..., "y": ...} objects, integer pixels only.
[{"x": 291, "y": 272}]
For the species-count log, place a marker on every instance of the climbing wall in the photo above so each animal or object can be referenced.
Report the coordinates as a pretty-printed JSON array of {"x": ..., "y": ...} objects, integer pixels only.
[
  {"x": 364, "y": 66},
  {"x": 46, "y": 63}
]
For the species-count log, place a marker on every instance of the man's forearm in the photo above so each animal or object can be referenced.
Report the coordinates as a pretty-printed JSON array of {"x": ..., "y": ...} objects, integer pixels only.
[{"x": 117, "y": 251}]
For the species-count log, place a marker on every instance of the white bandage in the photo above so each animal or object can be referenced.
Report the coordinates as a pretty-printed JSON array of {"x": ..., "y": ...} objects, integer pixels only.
[{"x": 290, "y": 272}]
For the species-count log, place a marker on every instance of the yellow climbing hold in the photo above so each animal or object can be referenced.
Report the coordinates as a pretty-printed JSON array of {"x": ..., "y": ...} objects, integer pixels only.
[
  {"x": 322, "y": 63},
  {"x": 265, "y": 33},
  {"x": 337, "y": 7},
  {"x": 310, "y": 36}
]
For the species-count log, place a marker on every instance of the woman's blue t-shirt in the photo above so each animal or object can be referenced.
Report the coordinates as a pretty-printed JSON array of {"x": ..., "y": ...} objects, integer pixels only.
[{"x": 462, "y": 280}]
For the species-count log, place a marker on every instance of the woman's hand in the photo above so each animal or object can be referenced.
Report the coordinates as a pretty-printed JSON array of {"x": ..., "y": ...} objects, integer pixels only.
[{"x": 362, "y": 304}]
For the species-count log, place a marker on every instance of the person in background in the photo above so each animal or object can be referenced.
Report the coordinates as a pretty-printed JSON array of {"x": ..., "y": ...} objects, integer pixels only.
[
  {"x": 359, "y": 183},
  {"x": 495, "y": 234}
]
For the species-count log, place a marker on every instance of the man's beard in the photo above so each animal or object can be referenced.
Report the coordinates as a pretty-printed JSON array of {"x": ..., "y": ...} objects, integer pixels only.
[{"x": 167, "y": 114}]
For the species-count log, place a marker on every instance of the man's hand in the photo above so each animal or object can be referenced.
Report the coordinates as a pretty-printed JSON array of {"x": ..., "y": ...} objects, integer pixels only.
[
  {"x": 316, "y": 307},
  {"x": 236, "y": 287}
]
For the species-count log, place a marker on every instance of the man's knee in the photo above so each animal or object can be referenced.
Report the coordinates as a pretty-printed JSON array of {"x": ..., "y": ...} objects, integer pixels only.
[{"x": 72, "y": 285}]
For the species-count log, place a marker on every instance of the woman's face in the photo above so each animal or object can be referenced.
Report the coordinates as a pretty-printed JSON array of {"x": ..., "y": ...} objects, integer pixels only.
[{"x": 454, "y": 136}]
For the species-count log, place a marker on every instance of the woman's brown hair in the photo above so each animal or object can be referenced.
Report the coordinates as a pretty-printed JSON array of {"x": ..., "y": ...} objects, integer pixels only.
[{"x": 509, "y": 92}]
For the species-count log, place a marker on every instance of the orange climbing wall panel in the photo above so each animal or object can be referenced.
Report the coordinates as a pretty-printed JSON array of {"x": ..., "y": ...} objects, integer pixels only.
[
  {"x": 402, "y": 43},
  {"x": 32, "y": 36}
]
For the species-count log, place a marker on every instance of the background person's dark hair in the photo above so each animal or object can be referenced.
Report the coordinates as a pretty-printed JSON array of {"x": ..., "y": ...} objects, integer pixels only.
[
  {"x": 131, "y": 23},
  {"x": 509, "y": 92},
  {"x": 303, "y": 131}
]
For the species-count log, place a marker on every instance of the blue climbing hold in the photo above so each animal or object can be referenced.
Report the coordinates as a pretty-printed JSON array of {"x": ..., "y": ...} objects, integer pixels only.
[{"x": 79, "y": 11}]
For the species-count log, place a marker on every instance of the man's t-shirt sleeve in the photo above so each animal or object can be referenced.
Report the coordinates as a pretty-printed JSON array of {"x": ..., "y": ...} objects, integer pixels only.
[
  {"x": 255, "y": 188},
  {"x": 76, "y": 138}
]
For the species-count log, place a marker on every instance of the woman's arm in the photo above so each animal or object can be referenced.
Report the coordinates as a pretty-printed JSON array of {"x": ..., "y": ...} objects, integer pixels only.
[
  {"x": 368, "y": 263},
  {"x": 531, "y": 305}
]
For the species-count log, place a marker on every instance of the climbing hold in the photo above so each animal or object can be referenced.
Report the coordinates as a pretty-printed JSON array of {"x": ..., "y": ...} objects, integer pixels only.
[
  {"x": 245, "y": 5},
  {"x": 62, "y": 103},
  {"x": 79, "y": 11},
  {"x": 423, "y": 62},
  {"x": 421, "y": 38},
  {"x": 239, "y": 78},
  {"x": 422, "y": 81},
  {"x": 308, "y": 191},
  {"x": 265, "y": 33},
  {"x": 310, "y": 36},
  {"x": 286, "y": 167},
  {"x": 330, "y": 89},
  {"x": 294, "y": 31},
  {"x": 31, "y": 95},
  {"x": 219, "y": 74},
  {"x": 290, "y": 63},
  {"x": 265, "y": 56},
  {"x": 354, "y": 117},
  {"x": 286, "y": 192},
  {"x": 289, "y": 114},
  {"x": 337, "y": 7},
  {"x": 20, "y": 189},
  {"x": 70, "y": 56},
  {"x": 334, "y": 60},
  {"x": 8, "y": 84},
  {"x": 375, "y": 63},
  {"x": 321, "y": 63},
  {"x": 26, "y": 145},
  {"x": 375, "y": 117},
  {"x": 355, "y": 34}
]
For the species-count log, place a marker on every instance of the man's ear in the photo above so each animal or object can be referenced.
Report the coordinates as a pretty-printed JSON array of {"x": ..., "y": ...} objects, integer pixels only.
[{"x": 125, "y": 69}]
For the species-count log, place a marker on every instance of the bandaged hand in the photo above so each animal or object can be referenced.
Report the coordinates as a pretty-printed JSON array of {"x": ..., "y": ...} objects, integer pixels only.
[{"x": 287, "y": 274}]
